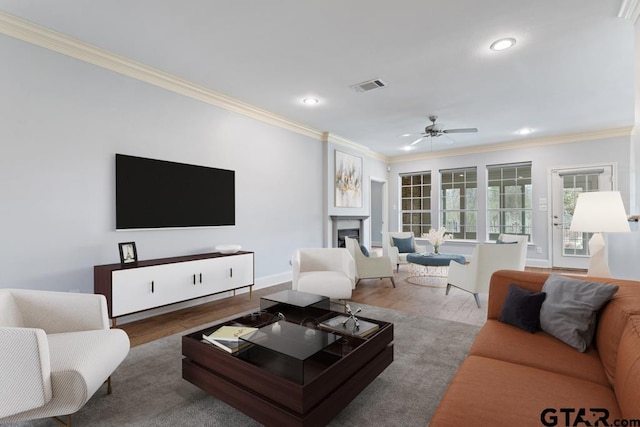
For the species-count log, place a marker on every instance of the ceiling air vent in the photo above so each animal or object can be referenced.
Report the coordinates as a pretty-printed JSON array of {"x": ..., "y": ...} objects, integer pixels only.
[{"x": 369, "y": 85}]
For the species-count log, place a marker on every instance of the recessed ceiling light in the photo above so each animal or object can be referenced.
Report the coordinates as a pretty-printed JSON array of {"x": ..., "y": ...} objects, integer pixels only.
[
  {"x": 502, "y": 44},
  {"x": 524, "y": 131},
  {"x": 406, "y": 134},
  {"x": 407, "y": 148},
  {"x": 310, "y": 101}
]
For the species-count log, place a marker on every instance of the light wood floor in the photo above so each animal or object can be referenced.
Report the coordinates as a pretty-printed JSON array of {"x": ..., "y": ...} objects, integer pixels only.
[{"x": 428, "y": 299}]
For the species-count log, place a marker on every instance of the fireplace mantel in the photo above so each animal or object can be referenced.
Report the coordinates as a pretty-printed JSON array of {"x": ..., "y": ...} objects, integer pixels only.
[{"x": 348, "y": 217}]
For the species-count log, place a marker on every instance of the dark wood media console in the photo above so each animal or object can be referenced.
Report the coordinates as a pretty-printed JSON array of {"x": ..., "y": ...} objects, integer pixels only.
[{"x": 132, "y": 288}]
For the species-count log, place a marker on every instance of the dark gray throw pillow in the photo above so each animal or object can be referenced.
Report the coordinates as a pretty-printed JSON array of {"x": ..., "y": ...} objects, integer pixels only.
[
  {"x": 405, "y": 246},
  {"x": 570, "y": 309},
  {"x": 521, "y": 308},
  {"x": 364, "y": 250}
]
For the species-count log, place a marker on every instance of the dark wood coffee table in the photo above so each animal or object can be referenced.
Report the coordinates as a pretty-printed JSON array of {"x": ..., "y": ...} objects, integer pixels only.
[{"x": 293, "y": 373}]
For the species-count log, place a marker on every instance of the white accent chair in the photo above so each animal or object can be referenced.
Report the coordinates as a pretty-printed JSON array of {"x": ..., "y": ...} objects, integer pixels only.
[
  {"x": 330, "y": 272},
  {"x": 392, "y": 251},
  {"x": 56, "y": 350},
  {"x": 486, "y": 259},
  {"x": 508, "y": 238},
  {"x": 369, "y": 267}
]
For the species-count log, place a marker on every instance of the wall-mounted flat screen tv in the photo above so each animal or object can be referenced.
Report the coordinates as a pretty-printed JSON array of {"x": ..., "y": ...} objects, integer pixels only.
[{"x": 160, "y": 194}]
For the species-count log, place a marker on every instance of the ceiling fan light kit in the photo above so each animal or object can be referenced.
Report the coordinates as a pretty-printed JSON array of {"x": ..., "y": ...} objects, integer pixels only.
[
  {"x": 524, "y": 131},
  {"x": 502, "y": 44}
]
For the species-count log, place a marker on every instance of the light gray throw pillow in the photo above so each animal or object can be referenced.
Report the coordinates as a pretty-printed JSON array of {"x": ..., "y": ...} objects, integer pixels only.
[{"x": 570, "y": 309}]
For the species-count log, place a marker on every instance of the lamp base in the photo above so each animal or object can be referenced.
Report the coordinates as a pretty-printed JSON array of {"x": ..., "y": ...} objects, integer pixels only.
[{"x": 598, "y": 265}]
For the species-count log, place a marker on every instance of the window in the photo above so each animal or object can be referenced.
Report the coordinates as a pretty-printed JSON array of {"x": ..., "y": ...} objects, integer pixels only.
[
  {"x": 459, "y": 208},
  {"x": 509, "y": 199},
  {"x": 416, "y": 202}
]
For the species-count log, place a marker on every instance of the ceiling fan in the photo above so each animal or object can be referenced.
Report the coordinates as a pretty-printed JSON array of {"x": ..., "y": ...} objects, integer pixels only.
[{"x": 435, "y": 131}]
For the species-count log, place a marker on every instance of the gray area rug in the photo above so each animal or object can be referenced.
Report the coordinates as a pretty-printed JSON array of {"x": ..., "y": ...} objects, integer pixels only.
[{"x": 148, "y": 389}]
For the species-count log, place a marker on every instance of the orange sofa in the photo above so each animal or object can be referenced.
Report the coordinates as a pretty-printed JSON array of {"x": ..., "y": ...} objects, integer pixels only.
[{"x": 514, "y": 378}]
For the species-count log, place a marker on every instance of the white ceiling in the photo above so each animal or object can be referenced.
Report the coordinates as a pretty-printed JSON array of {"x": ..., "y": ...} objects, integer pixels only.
[{"x": 571, "y": 71}]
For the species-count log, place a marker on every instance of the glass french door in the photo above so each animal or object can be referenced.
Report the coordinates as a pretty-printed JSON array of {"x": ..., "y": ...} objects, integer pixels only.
[{"x": 570, "y": 249}]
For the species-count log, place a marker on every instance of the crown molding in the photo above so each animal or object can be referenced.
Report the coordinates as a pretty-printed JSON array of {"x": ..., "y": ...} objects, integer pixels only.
[
  {"x": 515, "y": 145},
  {"x": 335, "y": 139},
  {"x": 43, "y": 37},
  {"x": 629, "y": 10}
]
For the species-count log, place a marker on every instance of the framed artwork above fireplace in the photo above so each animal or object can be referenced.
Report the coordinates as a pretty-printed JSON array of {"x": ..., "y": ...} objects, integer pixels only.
[{"x": 348, "y": 180}]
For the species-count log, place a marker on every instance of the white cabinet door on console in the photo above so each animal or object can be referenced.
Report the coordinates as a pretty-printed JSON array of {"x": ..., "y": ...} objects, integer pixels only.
[
  {"x": 206, "y": 276},
  {"x": 137, "y": 289},
  {"x": 231, "y": 272},
  {"x": 241, "y": 273}
]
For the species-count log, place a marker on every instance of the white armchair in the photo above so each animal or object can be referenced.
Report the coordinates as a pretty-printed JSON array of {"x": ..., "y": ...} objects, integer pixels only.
[
  {"x": 56, "y": 350},
  {"x": 508, "y": 238},
  {"x": 486, "y": 259},
  {"x": 329, "y": 272},
  {"x": 369, "y": 267},
  {"x": 394, "y": 253}
]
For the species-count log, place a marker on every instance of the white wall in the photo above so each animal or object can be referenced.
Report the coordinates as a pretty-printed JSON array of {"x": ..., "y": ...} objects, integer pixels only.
[
  {"x": 543, "y": 158},
  {"x": 62, "y": 122}
]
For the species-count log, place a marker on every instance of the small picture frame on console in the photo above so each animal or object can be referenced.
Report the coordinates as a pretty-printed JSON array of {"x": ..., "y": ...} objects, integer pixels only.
[{"x": 128, "y": 253}]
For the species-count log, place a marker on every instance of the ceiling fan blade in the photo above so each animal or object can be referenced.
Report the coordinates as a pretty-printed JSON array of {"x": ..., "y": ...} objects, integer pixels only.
[
  {"x": 416, "y": 141},
  {"x": 466, "y": 130}
]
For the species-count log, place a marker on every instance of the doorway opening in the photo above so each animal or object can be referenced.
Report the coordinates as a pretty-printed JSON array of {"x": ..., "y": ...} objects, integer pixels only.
[
  {"x": 570, "y": 248},
  {"x": 378, "y": 216}
]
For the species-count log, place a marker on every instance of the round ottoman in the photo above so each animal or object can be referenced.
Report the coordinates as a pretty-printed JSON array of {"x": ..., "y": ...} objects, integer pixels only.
[{"x": 426, "y": 265}]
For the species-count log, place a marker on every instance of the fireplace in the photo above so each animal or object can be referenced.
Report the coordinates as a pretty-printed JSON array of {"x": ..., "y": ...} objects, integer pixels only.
[
  {"x": 354, "y": 233},
  {"x": 347, "y": 226}
]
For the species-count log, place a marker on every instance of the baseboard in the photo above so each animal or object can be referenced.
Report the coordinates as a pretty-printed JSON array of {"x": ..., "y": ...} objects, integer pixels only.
[
  {"x": 538, "y": 263},
  {"x": 273, "y": 280},
  {"x": 529, "y": 262}
]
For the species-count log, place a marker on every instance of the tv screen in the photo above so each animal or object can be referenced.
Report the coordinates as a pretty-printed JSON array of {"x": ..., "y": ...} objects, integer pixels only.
[{"x": 160, "y": 194}]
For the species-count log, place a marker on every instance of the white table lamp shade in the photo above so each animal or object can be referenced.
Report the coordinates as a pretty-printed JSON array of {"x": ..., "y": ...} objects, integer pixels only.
[{"x": 600, "y": 212}]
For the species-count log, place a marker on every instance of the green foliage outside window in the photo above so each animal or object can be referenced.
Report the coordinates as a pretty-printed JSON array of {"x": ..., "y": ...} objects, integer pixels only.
[
  {"x": 459, "y": 202},
  {"x": 415, "y": 199},
  {"x": 509, "y": 200}
]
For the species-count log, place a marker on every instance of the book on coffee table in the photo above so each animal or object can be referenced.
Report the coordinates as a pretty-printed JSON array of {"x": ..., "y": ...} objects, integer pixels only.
[
  {"x": 346, "y": 325},
  {"x": 228, "y": 346},
  {"x": 228, "y": 339},
  {"x": 230, "y": 333}
]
